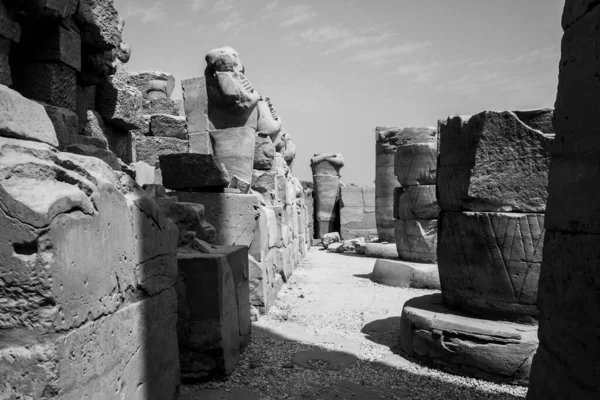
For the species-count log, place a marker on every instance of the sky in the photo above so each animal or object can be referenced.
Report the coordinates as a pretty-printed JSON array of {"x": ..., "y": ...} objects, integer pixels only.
[{"x": 336, "y": 69}]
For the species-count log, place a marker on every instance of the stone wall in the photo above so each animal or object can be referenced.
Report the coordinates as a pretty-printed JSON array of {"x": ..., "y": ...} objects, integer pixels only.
[
  {"x": 566, "y": 363},
  {"x": 357, "y": 212}
]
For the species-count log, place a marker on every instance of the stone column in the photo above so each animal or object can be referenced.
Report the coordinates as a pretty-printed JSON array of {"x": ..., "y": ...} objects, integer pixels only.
[
  {"x": 387, "y": 141},
  {"x": 326, "y": 177},
  {"x": 415, "y": 203},
  {"x": 566, "y": 364}
]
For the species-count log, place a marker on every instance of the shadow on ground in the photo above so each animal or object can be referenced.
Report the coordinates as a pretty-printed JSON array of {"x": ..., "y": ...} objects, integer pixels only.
[{"x": 267, "y": 369}]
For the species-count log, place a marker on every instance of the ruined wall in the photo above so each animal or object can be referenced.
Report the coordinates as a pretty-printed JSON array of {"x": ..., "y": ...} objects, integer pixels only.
[
  {"x": 88, "y": 270},
  {"x": 357, "y": 212},
  {"x": 566, "y": 363}
]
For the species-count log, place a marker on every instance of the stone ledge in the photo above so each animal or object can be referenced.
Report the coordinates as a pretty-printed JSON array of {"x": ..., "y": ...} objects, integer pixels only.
[{"x": 406, "y": 274}]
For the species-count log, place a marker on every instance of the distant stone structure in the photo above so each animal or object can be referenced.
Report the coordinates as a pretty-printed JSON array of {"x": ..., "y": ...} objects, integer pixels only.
[
  {"x": 326, "y": 178},
  {"x": 387, "y": 141},
  {"x": 357, "y": 212},
  {"x": 491, "y": 185},
  {"x": 566, "y": 363},
  {"x": 415, "y": 204}
]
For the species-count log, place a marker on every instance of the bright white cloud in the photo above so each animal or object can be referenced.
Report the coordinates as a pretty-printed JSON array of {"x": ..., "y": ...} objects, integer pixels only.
[
  {"x": 154, "y": 13},
  {"x": 382, "y": 55},
  {"x": 296, "y": 14}
]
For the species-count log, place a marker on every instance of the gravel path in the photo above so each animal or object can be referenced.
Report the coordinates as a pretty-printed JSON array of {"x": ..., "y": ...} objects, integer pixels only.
[{"x": 331, "y": 304}]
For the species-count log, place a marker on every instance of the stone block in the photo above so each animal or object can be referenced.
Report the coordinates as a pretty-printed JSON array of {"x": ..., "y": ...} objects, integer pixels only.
[
  {"x": 351, "y": 196},
  {"x": 105, "y": 155},
  {"x": 260, "y": 244},
  {"x": 119, "y": 104},
  {"x": 265, "y": 183},
  {"x": 149, "y": 148},
  {"x": 234, "y": 216},
  {"x": 265, "y": 284},
  {"x": 200, "y": 143},
  {"x": 51, "y": 9},
  {"x": 24, "y": 119},
  {"x": 493, "y": 162},
  {"x": 160, "y": 106},
  {"x": 381, "y": 250},
  {"x": 195, "y": 100},
  {"x": 416, "y": 239},
  {"x": 352, "y": 217},
  {"x": 144, "y": 173},
  {"x": 369, "y": 196},
  {"x": 101, "y": 26},
  {"x": 327, "y": 189},
  {"x": 95, "y": 127},
  {"x": 490, "y": 262},
  {"x": 54, "y": 43},
  {"x": 496, "y": 351},
  {"x": 264, "y": 153},
  {"x": 327, "y": 164},
  {"x": 415, "y": 164},
  {"x": 9, "y": 28},
  {"x": 153, "y": 85},
  {"x": 384, "y": 218},
  {"x": 208, "y": 316},
  {"x": 5, "y": 72},
  {"x": 417, "y": 202},
  {"x": 234, "y": 148},
  {"x": 406, "y": 274},
  {"x": 189, "y": 170},
  {"x": 65, "y": 122},
  {"x": 349, "y": 233},
  {"x": 51, "y": 83},
  {"x": 168, "y": 126}
]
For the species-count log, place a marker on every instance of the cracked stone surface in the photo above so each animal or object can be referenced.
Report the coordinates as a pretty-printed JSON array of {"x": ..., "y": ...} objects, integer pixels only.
[{"x": 85, "y": 255}]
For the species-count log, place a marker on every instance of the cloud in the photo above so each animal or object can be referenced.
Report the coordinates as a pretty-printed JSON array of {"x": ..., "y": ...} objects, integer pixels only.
[
  {"x": 381, "y": 55},
  {"x": 422, "y": 73},
  {"x": 296, "y": 14},
  {"x": 324, "y": 34},
  {"x": 231, "y": 20},
  {"x": 221, "y": 6},
  {"x": 154, "y": 13},
  {"x": 197, "y": 5}
]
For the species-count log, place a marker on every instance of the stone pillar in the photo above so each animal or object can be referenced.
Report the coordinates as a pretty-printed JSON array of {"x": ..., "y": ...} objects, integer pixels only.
[
  {"x": 326, "y": 177},
  {"x": 492, "y": 181},
  {"x": 357, "y": 212},
  {"x": 566, "y": 364},
  {"x": 415, "y": 203},
  {"x": 387, "y": 141}
]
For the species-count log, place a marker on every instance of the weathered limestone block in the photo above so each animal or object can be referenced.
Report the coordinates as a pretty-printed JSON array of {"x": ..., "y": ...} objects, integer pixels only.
[
  {"x": 168, "y": 126},
  {"x": 189, "y": 171},
  {"x": 234, "y": 148},
  {"x": 269, "y": 123},
  {"x": 416, "y": 202},
  {"x": 100, "y": 24},
  {"x": 200, "y": 143},
  {"x": 144, "y": 173},
  {"x": 265, "y": 284},
  {"x": 161, "y": 105},
  {"x": 53, "y": 43},
  {"x": 406, "y": 274},
  {"x": 493, "y": 162},
  {"x": 214, "y": 311},
  {"x": 415, "y": 163},
  {"x": 119, "y": 103},
  {"x": 150, "y": 148},
  {"x": 369, "y": 198},
  {"x": 153, "y": 85},
  {"x": 490, "y": 262},
  {"x": 289, "y": 154},
  {"x": 381, "y": 250},
  {"x": 352, "y": 217},
  {"x": 92, "y": 151},
  {"x": 492, "y": 350},
  {"x": 195, "y": 100},
  {"x": 65, "y": 122},
  {"x": 416, "y": 239},
  {"x": 264, "y": 153},
  {"x": 234, "y": 216},
  {"x": 22, "y": 118},
  {"x": 95, "y": 127},
  {"x": 69, "y": 301},
  {"x": 265, "y": 183},
  {"x": 349, "y": 233},
  {"x": 51, "y": 83}
]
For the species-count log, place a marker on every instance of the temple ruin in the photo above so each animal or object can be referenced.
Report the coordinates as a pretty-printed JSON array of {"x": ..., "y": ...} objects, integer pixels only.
[{"x": 144, "y": 238}]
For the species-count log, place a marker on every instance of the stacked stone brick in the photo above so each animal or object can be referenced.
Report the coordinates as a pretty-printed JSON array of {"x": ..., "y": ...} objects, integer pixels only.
[
  {"x": 566, "y": 363},
  {"x": 357, "y": 212},
  {"x": 326, "y": 182},
  {"x": 415, "y": 203},
  {"x": 492, "y": 189},
  {"x": 387, "y": 141}
]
